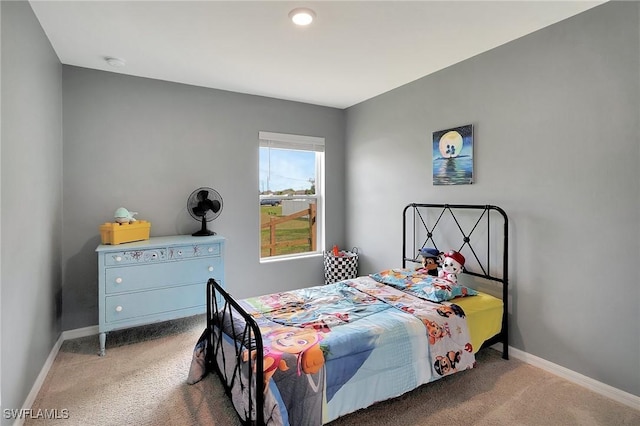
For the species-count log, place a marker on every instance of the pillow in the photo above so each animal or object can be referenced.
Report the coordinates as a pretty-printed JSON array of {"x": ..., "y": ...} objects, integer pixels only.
[{"x": 422, "y": 285}]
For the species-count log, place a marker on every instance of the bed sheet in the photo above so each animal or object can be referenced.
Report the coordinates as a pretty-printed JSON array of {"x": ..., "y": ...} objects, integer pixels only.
[{"x": 484, "y": 316}]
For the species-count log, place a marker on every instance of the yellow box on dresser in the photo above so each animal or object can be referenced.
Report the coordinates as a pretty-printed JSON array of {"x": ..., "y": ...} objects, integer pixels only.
[{"x": 118, "y": 233}]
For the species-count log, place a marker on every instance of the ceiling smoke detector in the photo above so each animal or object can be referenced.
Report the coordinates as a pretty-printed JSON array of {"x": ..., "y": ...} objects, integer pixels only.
[{"x": 115, "y": 62}]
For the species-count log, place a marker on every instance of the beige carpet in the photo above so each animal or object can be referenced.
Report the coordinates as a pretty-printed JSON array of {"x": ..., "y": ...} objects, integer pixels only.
[{"x": 141, "y": 381}]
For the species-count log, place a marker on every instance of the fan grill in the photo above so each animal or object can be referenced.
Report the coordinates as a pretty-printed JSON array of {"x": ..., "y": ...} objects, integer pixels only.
[{"x": 204, "y": 204}]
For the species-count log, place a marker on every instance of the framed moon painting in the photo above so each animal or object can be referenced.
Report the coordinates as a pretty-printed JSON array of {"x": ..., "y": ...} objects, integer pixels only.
[{"x": 453, "y": 156}]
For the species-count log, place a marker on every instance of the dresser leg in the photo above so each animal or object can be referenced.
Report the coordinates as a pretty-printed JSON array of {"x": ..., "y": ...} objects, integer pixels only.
[{"x": 103, "y": 341}]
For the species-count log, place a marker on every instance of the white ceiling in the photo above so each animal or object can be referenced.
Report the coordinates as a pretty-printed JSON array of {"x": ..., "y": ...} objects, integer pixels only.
[{"x": 353, "y": 51}]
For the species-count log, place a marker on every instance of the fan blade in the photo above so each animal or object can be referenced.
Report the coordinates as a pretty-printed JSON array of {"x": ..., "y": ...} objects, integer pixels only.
[
  {"x": 207, "y": 204},
  {"x": 215, "y": 206},
  {"x": 203, "y": 195},
  {"x": 199, "y": 211}
]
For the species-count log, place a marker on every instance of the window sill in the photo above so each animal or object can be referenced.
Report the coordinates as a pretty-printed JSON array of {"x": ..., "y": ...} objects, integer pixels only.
[{"x": 273, "y": 259}]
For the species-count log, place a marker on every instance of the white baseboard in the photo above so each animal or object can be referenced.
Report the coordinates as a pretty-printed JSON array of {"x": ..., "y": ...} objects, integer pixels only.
[
  {"x": 65, "y": 335},
  {"x": 610, "y": 392},
  {"x": 31, "y": 397},
  {"x": 80, "y": 332}
]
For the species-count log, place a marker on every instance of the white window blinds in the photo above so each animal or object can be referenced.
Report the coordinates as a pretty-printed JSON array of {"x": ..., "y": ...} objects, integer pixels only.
[{"x": 285, "y": 141}]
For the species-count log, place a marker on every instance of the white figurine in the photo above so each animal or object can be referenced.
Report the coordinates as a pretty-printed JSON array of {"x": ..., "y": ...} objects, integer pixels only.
[{"x": 452, "y": 265}]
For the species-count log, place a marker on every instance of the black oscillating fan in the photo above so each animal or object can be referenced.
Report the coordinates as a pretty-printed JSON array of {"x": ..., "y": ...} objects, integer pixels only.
[{"x": 204, "y": 204}]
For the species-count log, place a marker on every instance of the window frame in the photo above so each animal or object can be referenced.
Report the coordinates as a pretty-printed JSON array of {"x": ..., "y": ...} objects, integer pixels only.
[{"x": 300, "y": 143}]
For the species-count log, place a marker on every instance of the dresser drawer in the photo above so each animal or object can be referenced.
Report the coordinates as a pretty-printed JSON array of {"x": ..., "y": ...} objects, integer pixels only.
[
  {"x": 122, "y": 307},
  {"x": 141, "y": 277},
  {"x": 133, "y": 257},
  {"x": 194, "y": 250}
]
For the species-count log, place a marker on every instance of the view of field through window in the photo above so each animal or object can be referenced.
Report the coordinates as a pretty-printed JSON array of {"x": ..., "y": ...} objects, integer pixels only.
[{"x": 288, "y": 214}]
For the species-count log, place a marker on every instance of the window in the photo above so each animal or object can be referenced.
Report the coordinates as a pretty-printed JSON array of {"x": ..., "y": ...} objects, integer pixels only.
[{"x": 291, "y": 173}]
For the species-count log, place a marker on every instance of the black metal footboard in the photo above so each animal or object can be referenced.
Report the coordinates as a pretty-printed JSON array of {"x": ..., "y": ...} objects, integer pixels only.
[{"x": 235, "y": 353}]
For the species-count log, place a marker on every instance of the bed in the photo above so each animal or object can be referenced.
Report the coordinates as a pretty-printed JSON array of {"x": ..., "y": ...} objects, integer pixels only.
[{"x": 309, "y": 356}]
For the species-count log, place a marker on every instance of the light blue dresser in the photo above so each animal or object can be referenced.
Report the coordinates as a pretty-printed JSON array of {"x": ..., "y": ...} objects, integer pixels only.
[{"x": 160, "y": 279}]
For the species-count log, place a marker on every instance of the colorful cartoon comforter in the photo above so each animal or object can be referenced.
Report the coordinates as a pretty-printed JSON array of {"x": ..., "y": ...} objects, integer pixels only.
[{"x": 331, "y": 350}]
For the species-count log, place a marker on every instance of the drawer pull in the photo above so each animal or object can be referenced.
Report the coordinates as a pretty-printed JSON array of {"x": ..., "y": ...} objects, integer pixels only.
[
  {"x": 210, "y": 249},
  {"x": 118, "y": 280},
  {"x": 118, "y": 308},
  {"x": 210, "y": 268},
  {"x": 118, "y": 258}
]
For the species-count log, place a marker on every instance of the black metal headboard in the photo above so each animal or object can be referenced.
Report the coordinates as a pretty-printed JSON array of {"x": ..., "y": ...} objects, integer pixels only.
[
  {"x": 432, "y": 217},
  {"x": 479, "y": 232}
]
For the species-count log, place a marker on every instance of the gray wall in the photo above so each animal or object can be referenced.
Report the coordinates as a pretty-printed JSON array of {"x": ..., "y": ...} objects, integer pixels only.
[
  {"x": 147, "y": 144},
  {"x": 555, "y": 118},
  {"x": 31, "y": 190}
]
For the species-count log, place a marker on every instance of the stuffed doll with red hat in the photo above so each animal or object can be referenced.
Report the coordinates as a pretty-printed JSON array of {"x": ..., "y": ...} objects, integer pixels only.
[{"x": 452, "y": 265}]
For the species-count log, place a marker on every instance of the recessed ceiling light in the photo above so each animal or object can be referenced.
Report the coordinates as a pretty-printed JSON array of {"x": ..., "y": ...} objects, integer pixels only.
[
  {"x": 115, "y": 62},
  {"x": 302, "y": 16}
]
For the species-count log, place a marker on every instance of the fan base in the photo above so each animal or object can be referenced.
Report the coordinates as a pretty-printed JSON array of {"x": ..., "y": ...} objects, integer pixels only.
[{"x": 203, "y": 233}]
